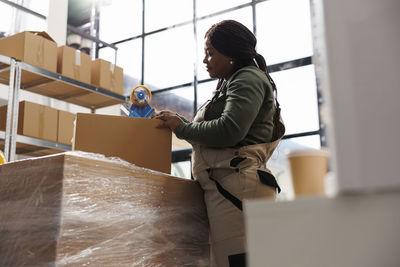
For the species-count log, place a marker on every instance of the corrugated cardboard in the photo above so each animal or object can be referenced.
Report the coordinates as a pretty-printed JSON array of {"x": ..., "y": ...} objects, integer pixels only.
[
  {"x": 65, "y": 127},
  {"x": 34, "y": 120},
  {"x": 75, "y": 210},
  {"x": 136, "y": 140},
  {"x": 74, "y": 64},
  {"x": 35, "y": 48},
  {"x": 107, "y": 76}
]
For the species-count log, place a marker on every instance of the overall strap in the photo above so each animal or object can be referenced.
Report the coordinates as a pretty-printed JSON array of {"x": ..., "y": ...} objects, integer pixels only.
[{"x": 225, "y": 193}]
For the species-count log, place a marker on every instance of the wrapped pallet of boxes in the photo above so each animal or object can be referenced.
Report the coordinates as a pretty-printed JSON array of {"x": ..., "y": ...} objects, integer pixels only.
[
  {"x": 34, "y": 120},
  {"x": 35, "y": 48},
  {"x": 83, "y": 209},
  {"x": 136, "y": 140},
  {"x": 107, "y": 76},
  {"x": 73, "y": 64}
]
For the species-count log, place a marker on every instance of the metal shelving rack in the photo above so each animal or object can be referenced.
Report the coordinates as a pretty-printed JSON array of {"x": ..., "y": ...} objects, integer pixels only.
[{"x": 38, "y": 78}]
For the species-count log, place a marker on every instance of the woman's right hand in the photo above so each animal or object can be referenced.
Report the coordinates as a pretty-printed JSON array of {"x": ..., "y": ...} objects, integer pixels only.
[{"x": 169, "y": 119}]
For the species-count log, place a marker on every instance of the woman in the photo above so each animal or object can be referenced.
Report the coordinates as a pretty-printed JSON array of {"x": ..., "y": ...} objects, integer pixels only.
[{"x": 233, "y": 135}]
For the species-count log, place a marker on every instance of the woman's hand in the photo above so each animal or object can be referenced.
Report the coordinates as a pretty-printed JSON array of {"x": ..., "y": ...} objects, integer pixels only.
[{"x": 169, "y": 119}]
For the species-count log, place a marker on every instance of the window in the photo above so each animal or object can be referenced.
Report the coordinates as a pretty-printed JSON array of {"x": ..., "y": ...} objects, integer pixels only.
[
  {"x": 14, "y": 20},
  {"x": 108, "y": 53},
  {"x": 28, "y": 22},
  {"x": 38, "y": 6},
  {"x": 169, "y": 57},
  {"x": 161, "y": 14},
  {"x": 206, "y": 7},
  {"x": 129, "y": 57},
  {"x": 6, "y": 21},
  {"x": 205, "y": 91},
  {"x": 283, "y": 30},
  {"x": 120, "y": 20},
  {"x": 297, "y": 95}
]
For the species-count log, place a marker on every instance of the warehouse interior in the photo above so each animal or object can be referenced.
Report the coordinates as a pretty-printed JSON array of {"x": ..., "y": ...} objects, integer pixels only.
[{"x": 95, "y": 187}]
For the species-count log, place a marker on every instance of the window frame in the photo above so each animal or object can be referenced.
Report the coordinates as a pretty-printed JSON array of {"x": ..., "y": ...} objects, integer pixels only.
[{"x": 299, "y": 62}]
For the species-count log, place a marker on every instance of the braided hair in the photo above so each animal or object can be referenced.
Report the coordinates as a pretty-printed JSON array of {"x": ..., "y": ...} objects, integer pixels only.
[{"x": 234, "y": 40}]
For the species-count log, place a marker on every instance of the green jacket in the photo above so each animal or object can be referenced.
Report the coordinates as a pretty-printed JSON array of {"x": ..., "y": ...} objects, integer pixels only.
[{"x": 241, "y": 115}]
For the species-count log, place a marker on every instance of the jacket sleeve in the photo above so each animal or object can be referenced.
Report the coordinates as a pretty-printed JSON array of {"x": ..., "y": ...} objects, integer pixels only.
[
  {"x": 182, "y": 118},
  {"x": 245, "y": 94}
]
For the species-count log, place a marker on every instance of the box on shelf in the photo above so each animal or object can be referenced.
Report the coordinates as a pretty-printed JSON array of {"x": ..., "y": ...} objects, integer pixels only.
[
  {"x": 73, "y": 64},
  {"x": 107, "y": 76},
  {"x": 34, "y": 120},
  {"x": 136, "y": 140},
  {"x": 35, "y": 48},
  {"x": 104, "y": 75},
  {"x": 65, "y": 127},
  {"x": 75, "y": 209}
]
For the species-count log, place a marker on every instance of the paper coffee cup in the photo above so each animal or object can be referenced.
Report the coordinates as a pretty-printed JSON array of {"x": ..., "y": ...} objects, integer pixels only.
[{"x": 308, "y": 169}]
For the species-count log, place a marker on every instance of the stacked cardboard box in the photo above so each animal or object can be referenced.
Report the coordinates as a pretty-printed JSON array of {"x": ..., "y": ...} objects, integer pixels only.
[
  {"x": 72, "y": 64},
  {"x": 35, "y": 48},
  {"x": 83, "y": 209},
  {"x": 42, "y": 122},
  {"x": 34, "y": 120},
  {"x": 38, "y": 49},
  {"x": 106, "y": 76}
]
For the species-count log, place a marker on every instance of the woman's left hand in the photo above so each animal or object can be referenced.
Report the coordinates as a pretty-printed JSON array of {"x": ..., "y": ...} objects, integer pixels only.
[{"x": 169, "y": 119}]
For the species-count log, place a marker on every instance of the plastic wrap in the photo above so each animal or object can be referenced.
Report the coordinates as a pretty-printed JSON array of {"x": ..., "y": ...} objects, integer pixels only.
[{"x": 80, "y": 209}]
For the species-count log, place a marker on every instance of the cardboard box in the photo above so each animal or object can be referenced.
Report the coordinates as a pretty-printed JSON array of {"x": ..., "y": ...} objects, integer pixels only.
[
  {"x": 35, "y": 48},
  {"x": 34, "y": 120},
  {"x": 74, "y": 64},
  {"x": 107, "y": 76},
  {"x": 136, "y": 140},
  {"x": 65, "y": 127},
  {"x": 75, "y": 209}
]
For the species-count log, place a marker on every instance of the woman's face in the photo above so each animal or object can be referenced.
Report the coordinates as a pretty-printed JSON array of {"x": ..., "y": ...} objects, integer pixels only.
[{"x": 218, "y": 65}]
